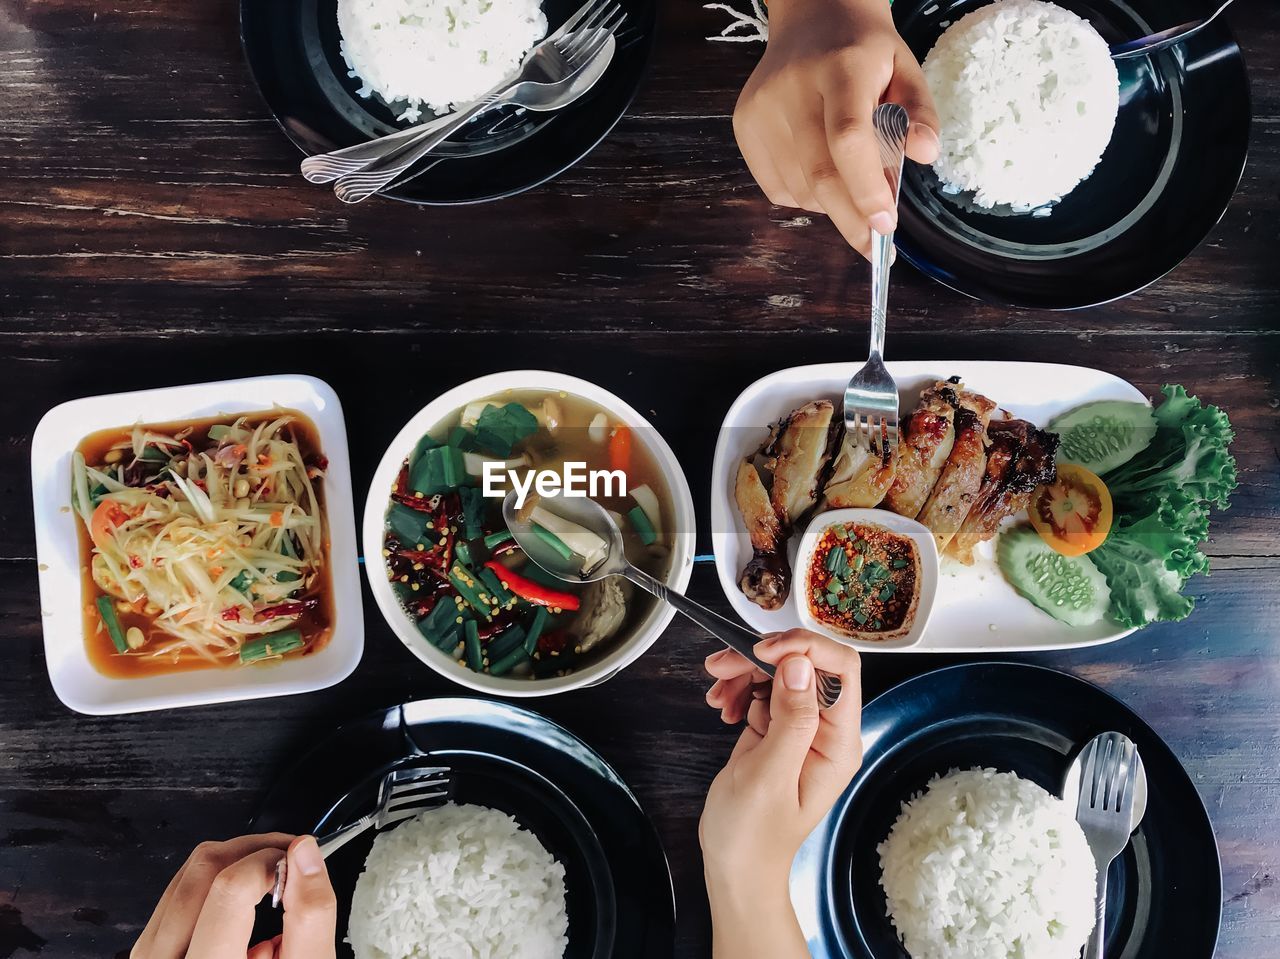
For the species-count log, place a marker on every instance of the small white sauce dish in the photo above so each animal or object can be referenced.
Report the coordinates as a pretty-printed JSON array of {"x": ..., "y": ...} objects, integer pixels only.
[
  {"x": 926, "y": 575},
  {"x": 622, "y": 652},
  {"x": 75, "y": 679}
]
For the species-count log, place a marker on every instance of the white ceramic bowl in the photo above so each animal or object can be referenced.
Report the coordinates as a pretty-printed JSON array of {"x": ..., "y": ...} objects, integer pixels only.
[
  {"x": 621, "y": 653},
  {"x": 926, "y": 550},
  {"x": 74, "y": 678}
]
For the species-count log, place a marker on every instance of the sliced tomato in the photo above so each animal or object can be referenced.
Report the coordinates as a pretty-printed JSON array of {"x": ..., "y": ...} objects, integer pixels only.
[
  {"x": 106, "y": 517},
  {"x": 1072, "y": 514}
]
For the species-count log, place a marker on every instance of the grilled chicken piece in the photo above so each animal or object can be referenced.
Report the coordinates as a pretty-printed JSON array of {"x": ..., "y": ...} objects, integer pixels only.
[
  {"x": 961, "y": 477},
  {"x": 1020, "y": 458},
  {"x": 859, "y": 476},
  {"x": 923, "y": 449},
  {"x": 766, "y": 580},
  {"x": 798, "y": 455}
]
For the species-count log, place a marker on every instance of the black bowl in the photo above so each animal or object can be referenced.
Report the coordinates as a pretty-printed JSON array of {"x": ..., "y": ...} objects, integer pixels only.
[
  {"x": 617, "y": 885},
  {"x": 292, "y": 49},
  {"x": 1165, "y": 889},
  {"x": 1165, "y": 180}
]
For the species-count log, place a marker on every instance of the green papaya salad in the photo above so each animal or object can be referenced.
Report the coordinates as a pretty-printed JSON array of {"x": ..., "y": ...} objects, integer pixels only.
[{"x": 1119, "y": 533}]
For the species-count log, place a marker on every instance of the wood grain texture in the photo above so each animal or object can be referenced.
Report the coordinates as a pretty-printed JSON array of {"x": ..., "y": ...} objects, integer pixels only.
[{"x": 153, "y": 230}]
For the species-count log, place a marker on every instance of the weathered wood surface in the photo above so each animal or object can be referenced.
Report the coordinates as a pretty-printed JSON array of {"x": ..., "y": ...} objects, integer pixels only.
[{"x": 153, "y": 231}]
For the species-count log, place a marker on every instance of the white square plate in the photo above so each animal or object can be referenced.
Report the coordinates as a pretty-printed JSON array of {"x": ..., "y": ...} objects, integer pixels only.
[
  {"x": 976, "y": 610},
  {"x": 74, "y": 678}
]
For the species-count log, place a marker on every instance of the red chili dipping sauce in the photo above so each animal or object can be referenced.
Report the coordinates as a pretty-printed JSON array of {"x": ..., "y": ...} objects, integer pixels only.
[{"x": 863, "y": 580}]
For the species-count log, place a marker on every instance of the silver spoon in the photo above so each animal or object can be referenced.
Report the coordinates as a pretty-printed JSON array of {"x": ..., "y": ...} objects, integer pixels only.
[
  {"x": 1076, "y": 789},
  {"x": 1165, "y": 38},
  {"x": 594, "y": 517}
]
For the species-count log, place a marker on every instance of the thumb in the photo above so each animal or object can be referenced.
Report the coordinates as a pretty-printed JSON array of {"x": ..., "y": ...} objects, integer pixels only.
[
  {"x": 310, "y": 906},
  {"x": 793, "y": 710},
  {"x": 910, "y": 89}
]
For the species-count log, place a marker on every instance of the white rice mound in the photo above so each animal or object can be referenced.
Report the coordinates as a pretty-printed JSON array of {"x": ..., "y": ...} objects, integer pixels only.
[
  {"x": 459, "y": 882},
  {"x": 984, "y": 865},
  {"x": 436, "y": 52},
  {"x": 1027, "y": 95}
]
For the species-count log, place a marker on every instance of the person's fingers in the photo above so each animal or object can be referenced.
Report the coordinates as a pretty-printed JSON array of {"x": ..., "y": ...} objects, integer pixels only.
[
  {"x": 758, "y": 716},
  {"x": 778, "y": 135},
  {"x": 793, "y": 721},
  {"x": 265, "y": 950},
  {"x": 837, "y": 746},
  {"x": 760, "y": 161},
  {"x": 848, "y": 102},
  {"x": 829, "y": 656},
  {"x": 310, "y": 906},
  {"x": 824, "y": 179},
  {"x": 826, "y": 654},
  {"x": 168, "y": 934},
  {"x": 910, "y": 89},
  {"x": 727, "y": 664},
  {"x": 714, "y": 694},
  {"x": 748, "y": 742},
  {"x": 735, "y": 696},
  {"x": 226, "y": 918}
]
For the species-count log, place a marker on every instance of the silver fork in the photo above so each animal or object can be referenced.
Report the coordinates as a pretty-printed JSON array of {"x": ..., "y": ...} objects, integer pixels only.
[
  {"x": 871, "y": 398},
  {"x": 1104, "y": 811},
  {"x": 402, "y": 794},
  {"x": 327, "y": 167},
  {"x": 545, "y": 82}
]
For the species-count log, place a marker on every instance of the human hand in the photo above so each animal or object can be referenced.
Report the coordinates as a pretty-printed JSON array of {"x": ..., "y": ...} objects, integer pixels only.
[
  {"x": 803, "y": 120},
  {"x": 207, "y": 911},
  {"x": 791, "y": 762}
]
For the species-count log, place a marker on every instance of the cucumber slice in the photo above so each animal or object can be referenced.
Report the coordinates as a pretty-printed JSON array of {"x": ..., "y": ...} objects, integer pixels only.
[
  {"x": 1068, "y": 588},
  {"x": 1103, "y": 435}
]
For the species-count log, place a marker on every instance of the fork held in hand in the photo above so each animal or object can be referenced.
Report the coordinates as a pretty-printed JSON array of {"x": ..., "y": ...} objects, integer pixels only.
[
  {"x": 402, "y": 794},
  {"x": 1104, "y": 811},
  {"x": 871, "y": 398}
]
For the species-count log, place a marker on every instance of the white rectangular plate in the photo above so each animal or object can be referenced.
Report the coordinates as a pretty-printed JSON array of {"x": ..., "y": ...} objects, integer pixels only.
[
  {"x": 976, "y": 611},
  {"x": 74, "y": 678}
]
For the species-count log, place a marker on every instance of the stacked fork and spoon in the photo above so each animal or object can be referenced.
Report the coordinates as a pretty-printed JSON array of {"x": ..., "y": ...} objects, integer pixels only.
[
  {"x": 556, "y": 72},
  {"x": 1110, "y": 785},
  {"x": 871, "y": 398},
  {"x": 402, "y": 794}
]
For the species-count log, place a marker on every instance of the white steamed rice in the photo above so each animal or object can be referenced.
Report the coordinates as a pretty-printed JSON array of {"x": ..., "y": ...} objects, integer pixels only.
[
  {"x": 459, "y": 882},
  {"x": 985, "y": 865},
  {"x": 1027, "y": 96},
  {"x": 436, "y": 52}
]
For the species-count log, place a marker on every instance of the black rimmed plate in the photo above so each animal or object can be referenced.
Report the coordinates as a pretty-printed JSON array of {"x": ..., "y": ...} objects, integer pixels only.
[
  {"x": 292, "y": 49},
  {"x": 1165, "y": 888},
  {"x": 620, "y": 899},
  {"x": 1165, "y": 180}
]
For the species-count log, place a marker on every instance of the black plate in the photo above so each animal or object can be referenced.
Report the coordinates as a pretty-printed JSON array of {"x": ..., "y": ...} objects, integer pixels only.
[
  {"x": 618, "y": 886},
  {"x": 292, "y": 48},
  {"x": 1165, "y": 888},
  {"x": 1165, "y": 180}
]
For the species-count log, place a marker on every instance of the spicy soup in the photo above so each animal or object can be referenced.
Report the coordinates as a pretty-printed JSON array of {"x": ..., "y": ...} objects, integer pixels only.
[{"x": 459, "y": 574}]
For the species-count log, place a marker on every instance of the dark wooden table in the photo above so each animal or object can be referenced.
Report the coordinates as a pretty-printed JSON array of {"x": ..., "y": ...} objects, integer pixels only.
[{"x": 154, "y": 230}]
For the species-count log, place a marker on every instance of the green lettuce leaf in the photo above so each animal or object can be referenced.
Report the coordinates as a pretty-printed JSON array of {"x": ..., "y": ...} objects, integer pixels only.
[
  {"x": 1148, "y": 558},
  {"x": 1162, "y": 498},
  {"x": 1188, "y": 456}
]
